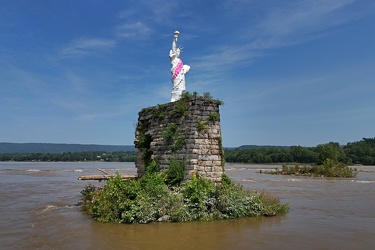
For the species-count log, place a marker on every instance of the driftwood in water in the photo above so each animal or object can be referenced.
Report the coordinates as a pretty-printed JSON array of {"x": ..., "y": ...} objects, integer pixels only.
[
  {"x": 104, "y": 177},
  {"x": 103, "y": 171}
]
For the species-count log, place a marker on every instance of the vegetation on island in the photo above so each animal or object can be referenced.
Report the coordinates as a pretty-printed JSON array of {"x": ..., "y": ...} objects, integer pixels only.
[
  {"x": 165, "y": 196},
  {"x": 329, "y": 168}
]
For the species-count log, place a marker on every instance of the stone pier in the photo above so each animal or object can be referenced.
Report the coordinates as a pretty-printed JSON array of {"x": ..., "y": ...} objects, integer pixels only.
[{"x": 187, "y": 130}]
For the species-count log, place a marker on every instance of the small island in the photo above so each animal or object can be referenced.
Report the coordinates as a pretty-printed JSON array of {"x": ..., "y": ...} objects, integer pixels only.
[
  {"x": 180, "y": 165},
  {"x": 329, "y": 168},
  {"x": 328, "y": 164},
  {"x": 163, "y": 196}
]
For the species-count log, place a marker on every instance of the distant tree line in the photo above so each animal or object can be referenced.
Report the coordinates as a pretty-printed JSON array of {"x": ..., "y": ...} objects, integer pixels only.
[
  {"x": 359, "y": 152},
  {"x": 128, "y": 156}
]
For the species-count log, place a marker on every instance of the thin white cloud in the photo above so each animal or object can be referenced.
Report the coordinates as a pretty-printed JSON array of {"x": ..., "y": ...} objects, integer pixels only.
[
  {"x": 279, "y": 25},
  {"x": 225, "y": 56},
  {"x": 296, "y": 22},
  {"x": 83, "y": 46},
  {"x": 151, "y": 13},
  {"x": 304, "y": 17},
  {"x": 162, "y": 11},
  {"x": 137, "y": 30}
]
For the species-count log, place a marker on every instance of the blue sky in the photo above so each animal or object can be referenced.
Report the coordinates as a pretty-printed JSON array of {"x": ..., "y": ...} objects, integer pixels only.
[{"x": 290, "y": 72}]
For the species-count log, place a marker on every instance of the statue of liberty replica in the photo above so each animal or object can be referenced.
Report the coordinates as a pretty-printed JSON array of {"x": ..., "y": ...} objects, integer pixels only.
[{"x": 178, "y": 70}]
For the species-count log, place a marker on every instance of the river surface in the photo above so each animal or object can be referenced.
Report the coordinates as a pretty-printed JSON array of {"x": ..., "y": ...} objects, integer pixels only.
[{"x": 38, "y": 211}]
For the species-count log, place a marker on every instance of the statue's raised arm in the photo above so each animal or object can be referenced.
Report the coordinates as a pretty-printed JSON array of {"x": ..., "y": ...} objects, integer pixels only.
[
  {"x": 173, "y": 51},
  {"x": 178, "y": 69}
]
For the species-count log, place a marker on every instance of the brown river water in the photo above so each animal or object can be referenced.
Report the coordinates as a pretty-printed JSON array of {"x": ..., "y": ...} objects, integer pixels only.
[{"x": 38, "y": 211}]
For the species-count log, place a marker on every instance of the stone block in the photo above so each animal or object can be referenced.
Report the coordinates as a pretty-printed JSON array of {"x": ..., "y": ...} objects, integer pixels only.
[
  {"x": 218, "y": 169},
  {"x": 213, "y": 157},
  {"x": 200, "y": 168},
  {"x": 215, "y": 151},
  {"x": 196, "y": 151},
  {"x": 217, "y": 163},
  {"x": 193, "y": 161},
  {"x": 190, "y": 167},
  {"x": 208, "y": 169}
]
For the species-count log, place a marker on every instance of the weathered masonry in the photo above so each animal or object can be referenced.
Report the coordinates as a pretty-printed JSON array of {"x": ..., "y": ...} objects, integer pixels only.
[{"x": 187, "y": 130}]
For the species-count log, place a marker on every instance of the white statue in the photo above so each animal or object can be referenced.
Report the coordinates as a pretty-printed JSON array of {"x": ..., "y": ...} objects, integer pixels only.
[{"x": 178, "y": 70}]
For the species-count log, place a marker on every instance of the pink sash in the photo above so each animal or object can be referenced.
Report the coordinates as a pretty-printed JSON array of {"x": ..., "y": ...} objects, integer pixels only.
[{"x": 177, "y": 69}]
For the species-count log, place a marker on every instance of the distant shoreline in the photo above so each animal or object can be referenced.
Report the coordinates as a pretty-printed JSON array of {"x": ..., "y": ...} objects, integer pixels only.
[{"x": 9, "y": 147}]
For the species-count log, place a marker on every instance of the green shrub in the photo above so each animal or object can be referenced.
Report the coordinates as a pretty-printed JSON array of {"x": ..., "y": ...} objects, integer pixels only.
[
  {"x": 149, "y": 198},
  {"x": 207, "y": 95},
  {"x": 214, "y": 116},
  {"x": 153, "y": 184},
  {"x": 178, "y": 143},
  {"x": 225, "y": 180},
  {"x": 170, "y": 133},
  {"x": 182, "y": 105},
  {"x": 160, "y": 111},
  {"x": 272, "y": 205},
  {"x": 153, "y": 167},
  {"x": 199, "y": 196},
  {"x": 88, "y": 193},
  {"x": 234, "y": 202},
  {"x": 201, "y": 126},
  {"x": 107, "y": 204},
  {"x": 220, "y": 102},
  {"x": 175, "y": 173},
  {"x": 144, "y": 142},
  {"x": 174, "y": 137}
]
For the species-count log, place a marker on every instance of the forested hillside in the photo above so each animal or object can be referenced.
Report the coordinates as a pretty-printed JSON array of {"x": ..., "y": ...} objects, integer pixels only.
[
  {"x": 6, "y": 147},
  {"x": 360, "y": 152}
]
